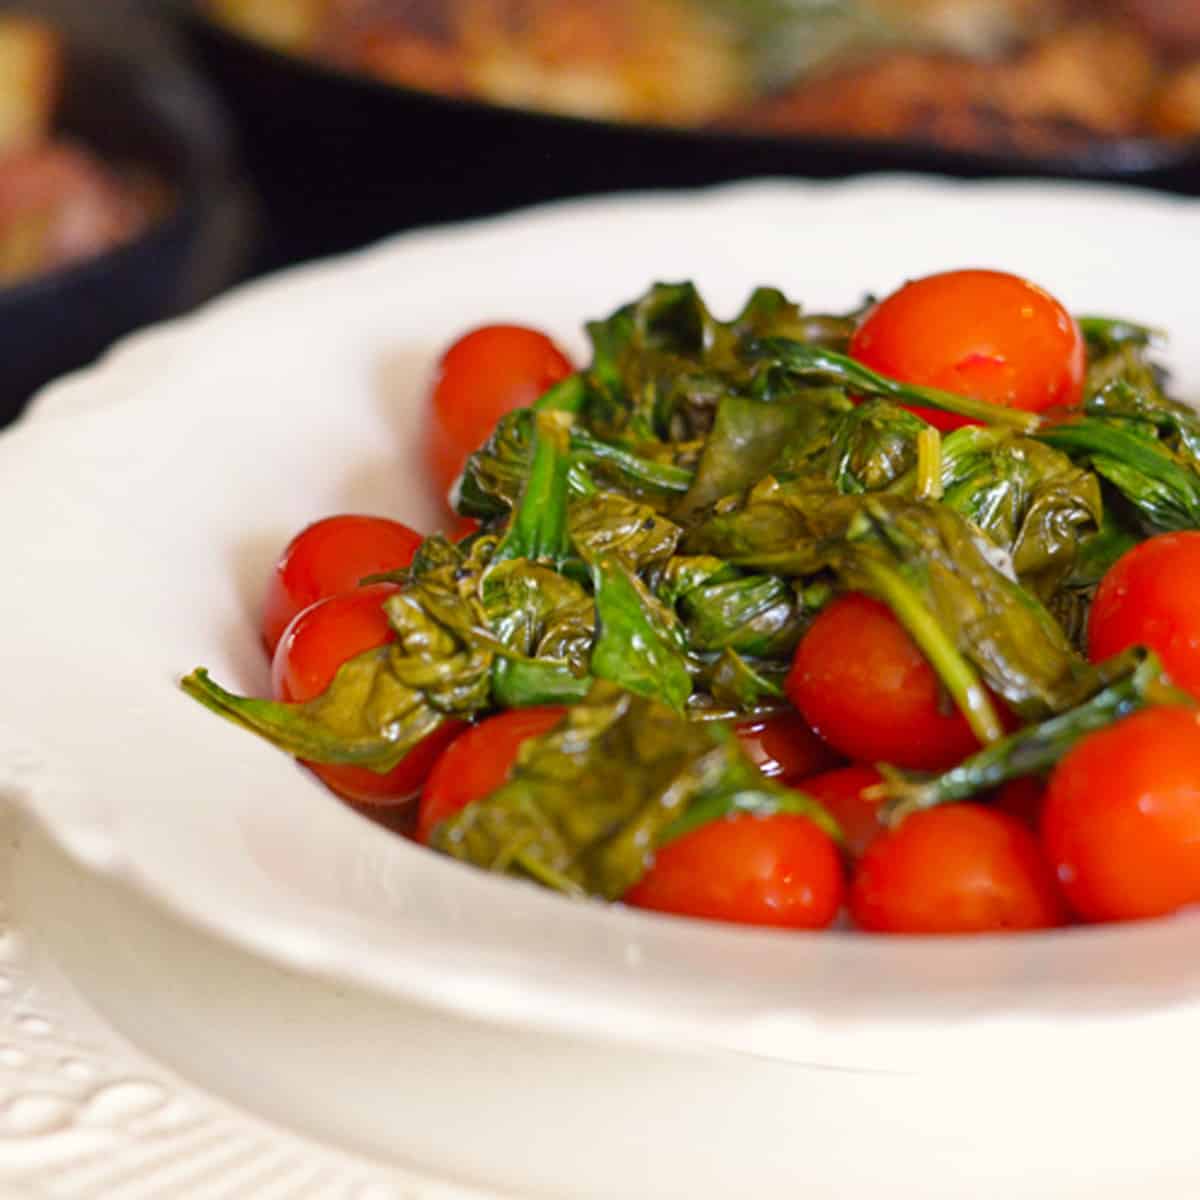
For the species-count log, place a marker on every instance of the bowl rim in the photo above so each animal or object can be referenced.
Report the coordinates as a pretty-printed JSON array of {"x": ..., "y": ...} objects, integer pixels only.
[{"x": 616, "y": 960}]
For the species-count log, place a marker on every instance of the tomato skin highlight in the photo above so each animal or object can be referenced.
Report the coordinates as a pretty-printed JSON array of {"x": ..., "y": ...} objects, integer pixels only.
[
  {"x": 985, "y": 334},
  {"x": 961, "y": 868},
  {"x": 783, "y": 747},
  {"x": 780, "y": 870},
  {"x": 841, "y": 794},
  {"x": 312, "y": 648},
  {"x": 1151, "y": 597},
  {"x": 1121, "y": 822},
  {"x": 326, "y": 634},
  {"x": 478, "y": 762},
  {"x": 331, "y": 556},
  {"x": 486, "y": 373},
  {"x": 861, "y": 682}
]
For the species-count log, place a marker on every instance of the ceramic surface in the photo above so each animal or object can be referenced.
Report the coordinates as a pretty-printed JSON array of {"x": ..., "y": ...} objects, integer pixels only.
[{"x": 142, "y": 504}]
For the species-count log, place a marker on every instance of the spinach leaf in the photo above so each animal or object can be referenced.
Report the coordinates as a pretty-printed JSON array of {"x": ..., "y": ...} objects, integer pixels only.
[
  {"x": 759, "y": 615},
  {"x": 737, "y": 684},
  {"x": 1109, "y": 335},
  {"x": 1071, "y": 603},
  {"x": 769, "y": 313},
  {"x": 495, "y": 474},
  {"x": 586, "y": 805},
  {"x": 1003, "y": 630},
  {"x": 620, "y": 467},
  {"x": 1030, "y": 500},
  {"x": 1160, "y": 484},
  {"x": 606, "y": 523},
  {"x": 367, "y": 717},
  {"x": 380, "y": 704},
  {"x": 538, "y": 529},
  {"x": 945, "y": 580},
  {"x": 639, "y": 644},
  {"x": 810, "y": 363},
  {"x": 747, "y": 439},
  {"x": 864, "y": 448}
]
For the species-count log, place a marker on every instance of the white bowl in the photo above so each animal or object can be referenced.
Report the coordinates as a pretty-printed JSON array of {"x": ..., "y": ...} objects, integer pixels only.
[{"x": 143, "y": 502}]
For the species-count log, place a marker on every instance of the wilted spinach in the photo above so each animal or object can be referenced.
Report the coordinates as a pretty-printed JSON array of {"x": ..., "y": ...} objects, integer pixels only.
[
  {"x": 586, "y": 805},
  {"x": 660, "y": 529}
]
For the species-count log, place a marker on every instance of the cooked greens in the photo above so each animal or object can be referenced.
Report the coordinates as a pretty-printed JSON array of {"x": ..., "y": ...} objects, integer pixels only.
[
  {"x": 660, "y": 529},
  {"x": 1131, "y": 682},
  {"x": 587, "y": 803}
]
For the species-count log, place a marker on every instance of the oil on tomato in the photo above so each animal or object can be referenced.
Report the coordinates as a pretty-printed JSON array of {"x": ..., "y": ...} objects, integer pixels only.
[
  {"x": 331, "y": 556},
  {"x": 312, "y": 648},
  {"x": 779, "y": 870}
]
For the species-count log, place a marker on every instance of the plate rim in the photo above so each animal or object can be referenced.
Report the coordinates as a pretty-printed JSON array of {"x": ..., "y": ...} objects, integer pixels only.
[{"x": 561, "y": 1008}]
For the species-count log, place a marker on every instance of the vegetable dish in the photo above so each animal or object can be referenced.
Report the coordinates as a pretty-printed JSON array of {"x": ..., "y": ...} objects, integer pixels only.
[{"x": 782, "y": 620}]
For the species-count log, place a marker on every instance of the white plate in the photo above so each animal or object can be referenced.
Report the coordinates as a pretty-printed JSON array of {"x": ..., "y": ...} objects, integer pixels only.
[
  {"x": 143, "y": 502},
  {"x": 89, "y": 1114}
]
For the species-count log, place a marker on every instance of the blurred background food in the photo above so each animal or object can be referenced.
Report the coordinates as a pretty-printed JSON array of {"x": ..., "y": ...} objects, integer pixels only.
[
  {"x": 358, "y": 118},
  {"x": 60, "y": 203},
  {"x": 136, "y": 135},
  {"x": 1030, "y": 76},
  {"x": 119, "y": 202}
]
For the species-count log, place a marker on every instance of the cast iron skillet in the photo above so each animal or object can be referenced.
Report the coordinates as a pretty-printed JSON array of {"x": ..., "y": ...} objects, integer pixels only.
[
  {"x": 161, "y": 120},
  {"x": 341, "y": 159}
]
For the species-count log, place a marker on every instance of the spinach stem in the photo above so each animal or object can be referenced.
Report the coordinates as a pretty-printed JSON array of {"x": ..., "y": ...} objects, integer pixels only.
[
  {"x": 1136, "y": 681},
  {"x": 808, "y": 359},
  {"x": 929, "y": 464},
  {"x": 956, "y": 673},
  {"x": 546, "y": 875}
]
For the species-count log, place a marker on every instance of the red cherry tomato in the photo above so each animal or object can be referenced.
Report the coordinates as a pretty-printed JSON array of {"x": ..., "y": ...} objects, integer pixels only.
[
  {"x": 326, "y": 634},
  {"x": 1022, "y": 798},
  {"x": 1121, "y": 823},
  {"x": 962, "y": 868},
  {"x": 463, "y": 528},
  {"x": 485, "y": 374},
  {"x": 783, "y": 747},
  {"x": 479, "y": 762},
  {"x": 329, "y": 557},
  {"x": 313, "y": 646},
  {"x": 778, "y": 870},
  {"x": 841, "y": 793},
  {"x": 862, "y": 684},
  {"x": 984, "y": 334},
  {"x": 1149, "y": 598}
]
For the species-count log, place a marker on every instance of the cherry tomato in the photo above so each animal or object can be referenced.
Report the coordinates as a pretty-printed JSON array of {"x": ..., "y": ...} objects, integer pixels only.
[
  {"x": 1149, "y": 598},
  {"x": 750, "y": 870},
  {"x": 1121, "y": 823},
  {"x": 478, "y": 762},
  {"x": 962, "y": 868},
  {"x": 1022, "y": 798},
  {"x": 328, "y": 557},
  {"x": 313, "y": 646},
  {"x": 984, "y": 334},
  {"x": 783, "y": 747},
  {"x": 485, "y": 374},
  {"x": 841, "y": 793},
  {"x": 464, "y": 527},
  {"x": 862, "y": 684}
]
